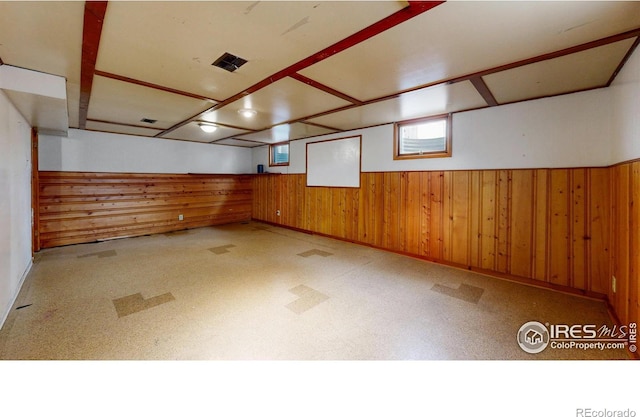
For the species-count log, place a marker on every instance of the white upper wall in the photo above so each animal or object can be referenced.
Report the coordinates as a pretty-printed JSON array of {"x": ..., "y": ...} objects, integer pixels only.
[
  {"x": 625, "y": 92},
  {"x": 591, "y": 128},
  {"x": 555, "y": 132},
  {"x": 15, "y": 203},
  {"x": 87, "y": 151}
]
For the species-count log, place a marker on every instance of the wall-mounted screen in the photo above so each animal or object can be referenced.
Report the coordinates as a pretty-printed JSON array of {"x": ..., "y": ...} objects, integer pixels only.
[{"x": 334, "y": 163}]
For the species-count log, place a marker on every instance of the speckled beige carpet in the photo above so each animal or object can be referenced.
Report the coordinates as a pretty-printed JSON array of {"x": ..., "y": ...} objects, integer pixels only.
[{"x": 252, "y": 291}]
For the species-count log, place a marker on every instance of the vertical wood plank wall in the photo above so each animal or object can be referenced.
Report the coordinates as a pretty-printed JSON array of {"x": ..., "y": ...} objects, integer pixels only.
[
  {"x": 550, "y": 225},
  {"x": 77, "y": 207},
  {"x": 571, "y": 227},
  {"x": 625, "y": 185}
]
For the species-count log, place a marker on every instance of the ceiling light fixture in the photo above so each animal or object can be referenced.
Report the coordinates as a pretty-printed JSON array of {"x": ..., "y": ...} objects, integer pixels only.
[
  {"x": 248, "y": 113},
  {"x": 207, "y": 128}
]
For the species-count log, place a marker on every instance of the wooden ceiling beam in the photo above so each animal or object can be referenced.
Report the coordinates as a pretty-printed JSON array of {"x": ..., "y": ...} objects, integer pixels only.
[
  {"x": 624, "y": 61},
  {"x": 151, "y": 85},
  {"x": 315, "y": 84},
  {"x": 415, "y": 8},
  {"x": 94, "y": 12},
  {"x": 484, "y": 91},
  {"x": 556, "y": 54}
]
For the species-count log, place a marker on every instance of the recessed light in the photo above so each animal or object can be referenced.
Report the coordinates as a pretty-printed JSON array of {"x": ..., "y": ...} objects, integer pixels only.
[
  {"x": 208, "y": 127},
  {"x": 248, "y": 113}
]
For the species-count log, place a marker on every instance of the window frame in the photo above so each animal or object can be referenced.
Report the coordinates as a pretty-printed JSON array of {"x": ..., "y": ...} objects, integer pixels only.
[
  {"x": 272, "y": 162},
  {"x": 446, "y": 153}
]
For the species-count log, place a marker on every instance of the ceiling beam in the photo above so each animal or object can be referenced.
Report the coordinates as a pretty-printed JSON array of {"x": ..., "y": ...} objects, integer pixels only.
[
  {"x": 556, "y": 54},
  {"x": 321, "y": 126},
  {"x": 415, "y": 8},
  {"x": 246, "y": 129},
  {"x": 123, "y": 124},
  {"x": 469, "y": 77},
  {"x": 484, "y": 91},
  {"x": 624, "y": 61},
  {"x": 325, "y": 88},
  {"x": 94, "y": 12},
  {"x": 243, "y": 140},
  {"x": 151, "y": 85}
]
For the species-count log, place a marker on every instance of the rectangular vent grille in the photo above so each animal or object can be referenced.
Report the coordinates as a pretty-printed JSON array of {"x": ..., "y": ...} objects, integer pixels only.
[
  {"x": 150, "y": 121},
  {"x": 229, "y": 62}
]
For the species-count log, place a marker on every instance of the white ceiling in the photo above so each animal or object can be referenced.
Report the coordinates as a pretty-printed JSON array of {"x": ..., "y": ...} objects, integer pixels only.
[{"x": 314, "y": 67}]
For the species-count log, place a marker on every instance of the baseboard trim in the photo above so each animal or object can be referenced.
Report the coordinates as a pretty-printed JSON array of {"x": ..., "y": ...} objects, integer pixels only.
[
  {"x": 494, "y": 274},
  {"x": 5, "y": 314}
]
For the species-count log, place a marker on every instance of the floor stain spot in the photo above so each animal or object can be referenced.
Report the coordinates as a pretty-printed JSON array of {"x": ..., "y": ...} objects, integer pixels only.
[
  {"x": 315, "y": 252},
  {"x": 465, "y": 292},
  {"x": 135, "y": 303},
  {"x": 307, "y": 299},
  {"x": 219, "y": 250},
  {"x": 103, "y": 254}
]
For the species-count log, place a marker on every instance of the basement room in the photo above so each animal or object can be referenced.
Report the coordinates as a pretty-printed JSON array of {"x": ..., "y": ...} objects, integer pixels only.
[{"x": 322, "y": 188}]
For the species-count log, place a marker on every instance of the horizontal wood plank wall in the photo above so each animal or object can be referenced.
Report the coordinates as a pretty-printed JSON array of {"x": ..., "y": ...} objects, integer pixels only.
[
  {"x": 625, "y": 183},
  {"x": 78, "y": 207},
  {"x": 547, "y": 225}
]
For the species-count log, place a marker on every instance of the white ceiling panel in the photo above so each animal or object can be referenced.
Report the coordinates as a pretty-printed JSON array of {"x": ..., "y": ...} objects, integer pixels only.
[
  {"x": 122, "y": 102},
  {"x": 463, "y": 37},
  {"x": 170, "y": 45},
  {"x": 115, "y": 128},
  {"x": 192, "y": 132},
  {"x": 174, "y": 43},
  {"x": 575, "y": 72},
  {"x": 431, "y": 101},
  {"x": 47, "y": 37},
  {"x": 284, "y": 100},
  {"x": 286, "y": 132}
]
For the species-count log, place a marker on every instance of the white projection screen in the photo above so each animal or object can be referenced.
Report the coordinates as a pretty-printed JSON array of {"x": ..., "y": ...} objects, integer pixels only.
[{"x": 334, "y": 163}]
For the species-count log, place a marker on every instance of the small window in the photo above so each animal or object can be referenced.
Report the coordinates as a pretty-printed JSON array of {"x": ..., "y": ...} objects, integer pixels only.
[
  {"x": 279, "y": 154},
  {"x": 423, "y": 138}
]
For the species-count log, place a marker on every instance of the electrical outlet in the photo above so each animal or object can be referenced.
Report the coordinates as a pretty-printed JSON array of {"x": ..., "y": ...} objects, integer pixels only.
[
  {"x": 180, "y": 217},
  {"x": 613, "y": 283},
  {"x": 277, "y": 212}
]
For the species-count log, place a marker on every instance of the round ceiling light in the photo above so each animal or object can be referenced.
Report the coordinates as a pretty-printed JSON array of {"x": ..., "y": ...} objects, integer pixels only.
[
  {"x": 248, "y": 113},
  {"x": 207, "y": 128}
]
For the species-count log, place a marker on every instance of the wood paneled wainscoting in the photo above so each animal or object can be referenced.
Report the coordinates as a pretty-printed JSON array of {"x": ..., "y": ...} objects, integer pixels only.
[
  {"x": 549, "y": 225},
  {"x": 78, "y": 207},
  {"x": 625, "y": 224},
  {"x": 552, "y": 227}
]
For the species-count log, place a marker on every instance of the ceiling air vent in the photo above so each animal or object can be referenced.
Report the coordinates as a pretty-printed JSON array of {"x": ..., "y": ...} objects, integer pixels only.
[
  {"x": 150, "y": 121},
  {"x": 229, "y": 62}
]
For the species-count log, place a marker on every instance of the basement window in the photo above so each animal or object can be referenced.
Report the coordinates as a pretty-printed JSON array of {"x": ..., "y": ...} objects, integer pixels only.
[
  {"x": 429, "y": 137},
  {"x": 279, "y": 154}
]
